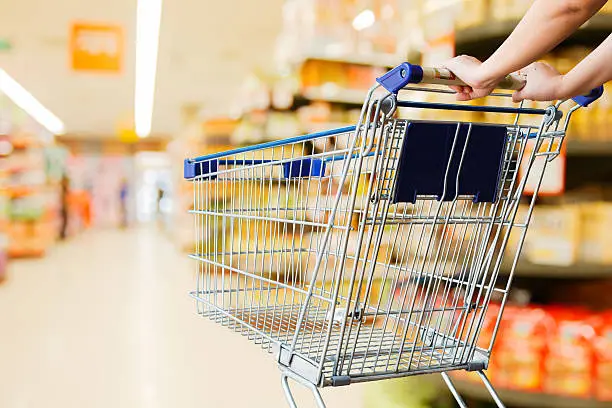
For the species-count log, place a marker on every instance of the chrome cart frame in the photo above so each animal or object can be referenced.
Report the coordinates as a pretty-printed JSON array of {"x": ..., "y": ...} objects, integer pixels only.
[{"x": 373, "y": 251}]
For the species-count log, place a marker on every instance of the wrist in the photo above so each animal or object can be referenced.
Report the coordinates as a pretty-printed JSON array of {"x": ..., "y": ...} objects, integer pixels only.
[
  {"x": 489, "y": 75},
  {"x": 560, "y": 87}
]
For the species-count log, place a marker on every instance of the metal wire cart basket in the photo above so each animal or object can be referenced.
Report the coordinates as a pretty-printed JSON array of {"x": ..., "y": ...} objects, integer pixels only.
[{"x": 373, "y": 251}]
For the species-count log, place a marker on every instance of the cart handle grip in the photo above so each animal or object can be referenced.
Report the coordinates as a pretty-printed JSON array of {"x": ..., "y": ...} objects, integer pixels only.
[{"x": 406, "y": 73}]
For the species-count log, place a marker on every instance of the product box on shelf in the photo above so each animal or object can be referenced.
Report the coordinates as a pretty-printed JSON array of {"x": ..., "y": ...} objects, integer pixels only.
[
  {"x": 596, "y": 236},
  {"x": 602, "y": 112},
  {"x": 602, "y": 380},
  {"x": 500, "y": 10},
  {"x": 326, "y": 76},
  {"x": 554, "y": 235},
  {"x": 218, "y": 130},
  {"x": 522, "y": 349},
  {"x": 4, "y": 248},
  {"x": 570, "y": 363},
  {"x": 518, "y": 8},
  {"x": 25, "y": 239},
  {"x": 554, "y": 349},
  {"x": 509, "y": 10},
  {"x": 495, "y": 372},
  {"x": 473, "y": 13}
]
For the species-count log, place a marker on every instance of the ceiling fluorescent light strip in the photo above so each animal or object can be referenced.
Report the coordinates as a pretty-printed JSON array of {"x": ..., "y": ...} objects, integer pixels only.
[
  {"x": 148, "y": 20},
  {"x": 26, "y": 101}
]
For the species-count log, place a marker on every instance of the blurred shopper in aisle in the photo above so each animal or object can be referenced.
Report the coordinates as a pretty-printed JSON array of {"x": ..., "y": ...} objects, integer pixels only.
[
  {"x": 123, "y": 203},
  {"x": 87, "y": 197},
  {"x": 544, "y": 26},
  {"x": 65, "y": 193},
  {"x": 161, "y": 193}
]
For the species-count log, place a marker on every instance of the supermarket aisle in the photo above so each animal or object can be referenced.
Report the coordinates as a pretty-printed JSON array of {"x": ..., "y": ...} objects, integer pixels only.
[{"x": 105, "y": 321}]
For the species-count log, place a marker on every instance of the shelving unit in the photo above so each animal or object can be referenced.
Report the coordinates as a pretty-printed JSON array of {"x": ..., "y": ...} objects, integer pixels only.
[
  {"x": 588, "y": 147},
  {"x": 342, "y": 88},
  {"x": 483, "y": 39},
  {"x": 581, "y": 271},
  {"x": 33, "y": 198},
  {"x": 526, "y": 399},
  {"x": 335, "y": 95},
  {"x": 501, "y": 30},
  {"x": 4, "y": 208},
  {"x": 370, "y": 59}
]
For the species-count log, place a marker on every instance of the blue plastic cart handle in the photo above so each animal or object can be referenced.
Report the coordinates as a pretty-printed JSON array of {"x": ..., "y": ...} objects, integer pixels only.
[
  {"x": 400, "y": 76},
  {"x": 586, "y": 100}
]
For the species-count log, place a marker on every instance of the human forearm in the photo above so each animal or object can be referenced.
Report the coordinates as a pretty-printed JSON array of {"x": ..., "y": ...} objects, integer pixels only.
[
  {"x": 545, "y": 25},
  {"x": 544, "y": 83},
  {"x": 591, "y": 72}
]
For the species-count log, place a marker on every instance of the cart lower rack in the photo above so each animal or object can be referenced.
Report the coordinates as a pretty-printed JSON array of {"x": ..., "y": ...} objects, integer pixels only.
[{"x": 372, "y": 251}]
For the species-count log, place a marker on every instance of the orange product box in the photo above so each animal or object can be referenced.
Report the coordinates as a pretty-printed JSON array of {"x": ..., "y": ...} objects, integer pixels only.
[
  {"x": 488, "y": 324},
  {"x": 571, "y": 359},
  {"x": 523, "y": 348},
  {"x": 309, "y": 74},
  {"x": 362, "y": 77},
  {"x": 359, "y": 76},
  {"x": 486, "y": 334},
  {"x": 602, "y": 379},
  {"x": 334, "y": 73},
  {"x": 17, "y": 230},
  {"x": 495, "y": 369}
]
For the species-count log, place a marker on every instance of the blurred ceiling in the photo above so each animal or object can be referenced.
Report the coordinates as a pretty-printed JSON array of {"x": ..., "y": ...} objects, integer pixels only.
[{"x": 206, "y": 50}]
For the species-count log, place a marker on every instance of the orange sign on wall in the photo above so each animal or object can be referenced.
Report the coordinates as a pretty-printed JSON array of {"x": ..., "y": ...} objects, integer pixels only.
[{"x": 96, "y": 47}]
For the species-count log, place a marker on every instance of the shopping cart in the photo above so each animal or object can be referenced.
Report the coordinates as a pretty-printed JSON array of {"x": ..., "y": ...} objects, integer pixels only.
[{"x": 374, "y": 251}]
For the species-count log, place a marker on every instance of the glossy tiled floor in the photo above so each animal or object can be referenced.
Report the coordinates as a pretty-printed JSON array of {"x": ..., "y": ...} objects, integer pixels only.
[{"x": 105, "y": 321}]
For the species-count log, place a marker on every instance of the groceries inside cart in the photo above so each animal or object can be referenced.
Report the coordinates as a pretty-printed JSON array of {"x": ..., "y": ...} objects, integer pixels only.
[{"x": 373, "y": 251}]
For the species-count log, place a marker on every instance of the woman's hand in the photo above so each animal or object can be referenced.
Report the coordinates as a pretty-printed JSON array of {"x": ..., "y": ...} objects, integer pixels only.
[
  {"x": 544, "y": 83},
  {"x": 471, "y": 71}
]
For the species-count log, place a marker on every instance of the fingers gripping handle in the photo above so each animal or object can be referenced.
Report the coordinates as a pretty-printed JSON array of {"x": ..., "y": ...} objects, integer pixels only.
[
  {"x": 445, "y": 77},
  {"x": 406, "y": 73}
]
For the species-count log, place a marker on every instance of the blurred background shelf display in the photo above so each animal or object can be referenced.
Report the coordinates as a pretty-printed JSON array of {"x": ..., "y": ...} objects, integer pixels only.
[
  {"x": 515, "y": 398},
  {"x": 370, "y": 59},
  {"x": 567, "y": 258},
  {"x": 31, "y": 185},
  {"x": 374, "y": 33},
  {"x": 488, "y": 32},
  {"x": 324, "y": 93},
  {"x": 576, "y": 271},
  {"x": 554, "y": 353},
  {"x": 577, "y": 147},
  {"x": 233, "y": 74}
]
